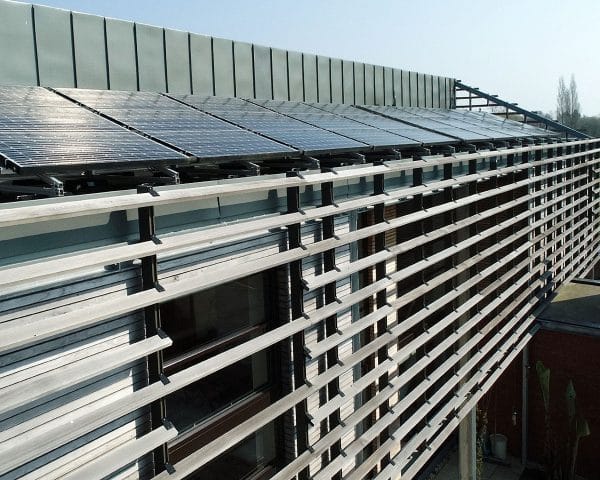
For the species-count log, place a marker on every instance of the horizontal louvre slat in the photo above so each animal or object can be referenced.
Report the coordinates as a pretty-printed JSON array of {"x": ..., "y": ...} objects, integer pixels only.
[
  {"x": 108, "y": 463},
  {"x": 46, "y": 385},
  {"x": 31, "y": 214}
]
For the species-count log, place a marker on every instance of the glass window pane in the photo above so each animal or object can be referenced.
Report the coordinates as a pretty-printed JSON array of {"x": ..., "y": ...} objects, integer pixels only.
[
  {"x": 248, "y": 457},
  {"x": 213, "y": 314},
  {"x": 193, "y": 404}
]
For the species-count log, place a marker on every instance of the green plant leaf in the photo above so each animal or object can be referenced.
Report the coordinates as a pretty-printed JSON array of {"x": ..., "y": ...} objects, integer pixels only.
[
  {"x": 544, "y": 378},
  {"x": 582, "y": 428}
]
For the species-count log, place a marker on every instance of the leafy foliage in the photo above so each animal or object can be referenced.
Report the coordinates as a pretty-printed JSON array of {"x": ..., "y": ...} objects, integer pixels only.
[{"x": 560, "y": 463}]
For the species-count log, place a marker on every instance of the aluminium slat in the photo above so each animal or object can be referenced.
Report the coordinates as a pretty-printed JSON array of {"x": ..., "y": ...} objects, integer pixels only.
[
  {"x": 466, "y": 390},
  {"x": 202, "y": 456},
  {"x": 361, "y": 442},
  {"x": 84, "y": 207},
  {"x": 344, "y": 334},
  {"x": 394, "y": 469},
  {"x": 102, "y": 466},
  {"x": 18, "y": 337},
  {"x": 37, "y": 388},
  {"x": 38, "y": 270},
  {"x": 370, "y": 319},
  {"x": 471, "y": 402},
  {"x": 72, "y": 263},
  {"x": 139, "y": 300},
  {"x": 345, "y": 461},
  {"x": 205, "y": 454},
  {"x": 80, "y": 424},
  {"x": 449, "y": 428},
  {"x": 402, "y": 379},
  {"x": 490, "y": 361},
  {"x": 75, "y": 458},
  {"x": 415, "y": 418},
  {"x": 333, "y": 466},
  {"x": 333, "y": 403},
  {"x": 349, "y": 423},
  {"x": 360, "y": 471},
  {"x": 359, "y": 325},
  {"x": 417, "y": 365},
  {"x": 77, "y": 262}
]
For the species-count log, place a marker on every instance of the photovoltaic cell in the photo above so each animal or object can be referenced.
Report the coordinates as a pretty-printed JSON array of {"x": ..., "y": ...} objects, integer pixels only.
[
  {"x": 339, "y": 124},
  {"x": 450, "y": 117},
  {"x": 453, "y": 130},
  {"x": 41, "y": 131},
  {"x": 417, "y": 134},
  {"x": 519, "y": 129},
  {"x": 282, "y": 128},
  {"x": 189, "y": 129}
]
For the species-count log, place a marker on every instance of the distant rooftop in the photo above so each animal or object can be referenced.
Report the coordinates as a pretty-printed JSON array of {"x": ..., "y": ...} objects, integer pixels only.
[{"x": 576, "y": 309}]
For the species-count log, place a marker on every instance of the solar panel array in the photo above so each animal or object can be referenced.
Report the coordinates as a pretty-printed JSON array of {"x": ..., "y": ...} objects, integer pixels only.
[
  {"x": 338, "y": 124},
  {"x": 517, "y": 129},
  {"x": 39, "y": 130},
  {"x": 384, "y": 123},
  {"x": 303, "y": 136},
  {"x": 486, "y": 123},
  {"x": 165, "y": 119},
  {"x": 77, "y": 129},
  {"x": 438, "y": 123}
]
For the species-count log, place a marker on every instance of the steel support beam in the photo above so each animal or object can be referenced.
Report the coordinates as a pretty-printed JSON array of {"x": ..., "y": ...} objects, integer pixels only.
[{"x": 149, "y": 271}]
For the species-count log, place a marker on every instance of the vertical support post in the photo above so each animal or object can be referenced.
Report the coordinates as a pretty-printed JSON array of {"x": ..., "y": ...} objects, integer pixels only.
[
  {"x": 297, "y": 310},
  {"x": 381, "y": 299},
  {"x": 333, "y": 389},
  {"x": 467, "y": 447},
  {"x": 147, "y": 231},
  {"x": 524, "y": 404}
]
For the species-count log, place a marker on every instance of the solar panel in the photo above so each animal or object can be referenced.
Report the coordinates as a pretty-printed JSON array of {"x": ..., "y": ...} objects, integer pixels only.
[
  {"x": 518, "y": 128},
  {"x": 310, "y": 139},
  {"x": 191, "y": 130},
  {"x": 384, "y": 123},
  {"x": 338, "y": 124},
  {"x": 43, "y": 132},
  {"x": 455, "y": 119},
  {"x": 446, "y": 128}
]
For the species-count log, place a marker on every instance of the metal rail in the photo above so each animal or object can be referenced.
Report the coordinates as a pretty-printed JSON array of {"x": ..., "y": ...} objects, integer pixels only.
[{"x": 493, "y": 100}]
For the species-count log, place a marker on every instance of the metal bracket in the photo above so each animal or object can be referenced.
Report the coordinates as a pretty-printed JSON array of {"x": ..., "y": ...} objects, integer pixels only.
[
  {"x": 313, "y": 163},
  {"x": 57, "y": 187},
  {"x": 253, "y": 167},
  {"x": 169, "y": 172}
]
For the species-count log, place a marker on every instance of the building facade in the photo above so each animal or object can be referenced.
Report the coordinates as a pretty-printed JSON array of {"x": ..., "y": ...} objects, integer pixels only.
[{"x": 329, "y": 323}]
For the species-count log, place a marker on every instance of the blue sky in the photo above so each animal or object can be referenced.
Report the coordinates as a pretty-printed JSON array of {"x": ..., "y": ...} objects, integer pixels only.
[{"x": 514, "y": 48}]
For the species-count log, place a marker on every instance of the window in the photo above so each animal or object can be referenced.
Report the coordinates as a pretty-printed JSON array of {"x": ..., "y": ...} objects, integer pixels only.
[{"x": 208, "y": 323}]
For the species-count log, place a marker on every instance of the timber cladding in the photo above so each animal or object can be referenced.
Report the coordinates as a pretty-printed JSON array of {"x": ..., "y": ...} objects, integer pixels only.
[{"x": 377, "y": 312}]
